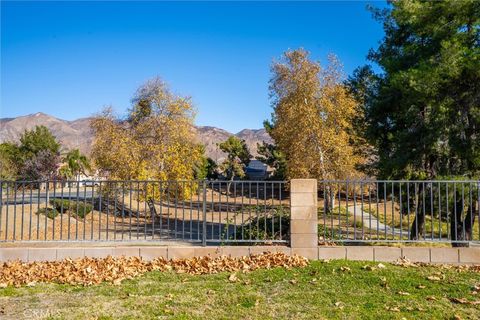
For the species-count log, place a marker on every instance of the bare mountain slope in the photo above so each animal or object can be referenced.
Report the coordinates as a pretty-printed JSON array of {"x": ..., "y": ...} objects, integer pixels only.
[
  {"x": 77, "y": 133},
  {"x": 70, "y": 135}
]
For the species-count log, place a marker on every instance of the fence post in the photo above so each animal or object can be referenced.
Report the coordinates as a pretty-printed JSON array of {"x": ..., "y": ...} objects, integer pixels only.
[
  {"x": 304, "y": 218},
  {"x": 204, "y": 210}
]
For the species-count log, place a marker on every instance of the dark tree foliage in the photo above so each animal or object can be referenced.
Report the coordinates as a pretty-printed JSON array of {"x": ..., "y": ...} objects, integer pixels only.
[
  {"x": 206, "y": 168},
  {"x": 36, "y": 140},
  {"x": 271, "y": 155},
  {"x": 238, "y": 157},
  {"x": 9, "y": 161},
  {"x": 422, "y": 111},
  {"x": 42, "y": 166},
  {"x": 274, "y": 158},
  {"x": 35, "y": 157}
]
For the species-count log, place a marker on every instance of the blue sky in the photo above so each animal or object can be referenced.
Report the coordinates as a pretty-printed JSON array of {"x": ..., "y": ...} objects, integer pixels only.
[{"x": 70, "y": 59}]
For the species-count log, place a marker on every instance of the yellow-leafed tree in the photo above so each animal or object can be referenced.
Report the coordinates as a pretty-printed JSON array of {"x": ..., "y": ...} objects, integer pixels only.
[
  {"x": 312, "y": 118},
  {"x": 155, "y": 142}
]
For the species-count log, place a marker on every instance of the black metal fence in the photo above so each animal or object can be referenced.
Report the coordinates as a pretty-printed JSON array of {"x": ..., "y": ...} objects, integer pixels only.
[
  {"x": 190, "y": 211},
  {"x": 237, "y": 211},
  {"x": 399, "y": 211}
]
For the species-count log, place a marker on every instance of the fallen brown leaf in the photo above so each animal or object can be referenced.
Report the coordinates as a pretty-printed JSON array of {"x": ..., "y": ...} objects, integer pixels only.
[
  {"x": 233, "y": 277},
  {"x": 434, "y": 278},
  {"x": 463, "y": 301},
  {"x": 393, "y": 309},
  {"x": 90, "y": 271},
  {"x": 369, "y": 268}
]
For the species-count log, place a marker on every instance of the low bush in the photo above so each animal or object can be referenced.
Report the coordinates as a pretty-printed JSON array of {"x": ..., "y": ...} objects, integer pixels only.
[
  {"x": 76, "y": 208},
  {"x": 49, "y": 212},
  {"x": 60, "y": 204},
  {"x": 330, "y": 234},
  {"x": 80, "y": 209},
  {"x": 358, "y": 224},
  {"x": 271, "y": 225}
]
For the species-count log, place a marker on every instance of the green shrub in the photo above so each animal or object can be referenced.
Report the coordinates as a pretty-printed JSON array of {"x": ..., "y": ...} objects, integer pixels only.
[
  {"x": 271, "y": 225},
  {"x": 49, "y": 212},
  {"x": 358, "y": 224},
  {"x": 80, "y": 209},
  {"x": 60, "y": 204},
  {"x": 329, "y": 233},
  {"x": 76, "y": 208}
]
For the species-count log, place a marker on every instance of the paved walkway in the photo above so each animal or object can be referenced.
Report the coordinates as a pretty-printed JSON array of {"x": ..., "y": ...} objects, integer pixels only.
[{"x": 372, "y": 222}]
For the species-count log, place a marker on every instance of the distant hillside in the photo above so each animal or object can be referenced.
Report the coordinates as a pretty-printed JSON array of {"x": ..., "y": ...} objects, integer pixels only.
[{"x": 77, "y": 133}]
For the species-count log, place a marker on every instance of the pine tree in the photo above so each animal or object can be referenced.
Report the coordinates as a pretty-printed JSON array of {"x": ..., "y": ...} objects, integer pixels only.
[{"x": 422, "y": 112}]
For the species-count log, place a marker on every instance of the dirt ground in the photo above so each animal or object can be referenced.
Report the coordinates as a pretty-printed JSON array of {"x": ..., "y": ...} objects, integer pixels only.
[{"x": 133, "y": 220}]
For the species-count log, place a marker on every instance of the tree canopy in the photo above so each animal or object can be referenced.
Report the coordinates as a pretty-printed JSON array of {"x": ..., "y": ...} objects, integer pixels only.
[
  {"x": 36, "y": 157},
  {"x": 155, "y": 141},
  {"x": 422, "y": 111},
  {"x": 74, "y": 163},
  {"x": 238, "y": 157},
  {"x": 312, "y": 118},
  {"x": 36, "y": 140}
]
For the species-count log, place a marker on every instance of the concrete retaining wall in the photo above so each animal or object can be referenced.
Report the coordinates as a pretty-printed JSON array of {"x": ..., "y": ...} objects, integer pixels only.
[{"x": 367, "y": 253}]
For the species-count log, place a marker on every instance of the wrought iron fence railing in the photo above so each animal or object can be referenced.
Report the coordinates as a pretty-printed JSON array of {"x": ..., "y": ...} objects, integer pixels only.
[
  {"x": 192, "y": 211},
  {"x": 399, "y": 211},
  {"x": 237, "y": 211}
]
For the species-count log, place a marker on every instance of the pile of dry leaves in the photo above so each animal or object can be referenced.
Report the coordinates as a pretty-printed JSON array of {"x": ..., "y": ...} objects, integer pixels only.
[{"x": 89, "y": 271}]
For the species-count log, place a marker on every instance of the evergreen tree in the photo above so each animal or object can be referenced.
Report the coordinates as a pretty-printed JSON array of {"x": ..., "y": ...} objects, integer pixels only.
[
  {"x": 422, "y": 111},
  {"x": 271, "y": 155},
  {"x": 238, "y": 157},
  {"x": 36, "y": 140}
]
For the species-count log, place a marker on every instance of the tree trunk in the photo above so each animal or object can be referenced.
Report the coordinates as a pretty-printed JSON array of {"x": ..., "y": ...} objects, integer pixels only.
[
  {"x": 47, "y": 194},
  {"x": 229, "y": 184},
  {"x": 469, "y": 222},
  {"x": 329, "y": 199},
  {"x": 456, "y": 224},
  {"x": 462, "y": 230},
  {"x": 416, "y": 230},
  {"x": 417, "y": 226}
]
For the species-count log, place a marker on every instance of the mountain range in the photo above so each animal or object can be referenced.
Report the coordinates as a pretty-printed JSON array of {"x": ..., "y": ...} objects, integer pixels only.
[{"x": 77, "y": 133}]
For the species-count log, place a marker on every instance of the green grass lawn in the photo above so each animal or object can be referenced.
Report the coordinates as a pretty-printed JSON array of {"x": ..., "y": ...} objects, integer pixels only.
[{"x": 323, "y": 290}]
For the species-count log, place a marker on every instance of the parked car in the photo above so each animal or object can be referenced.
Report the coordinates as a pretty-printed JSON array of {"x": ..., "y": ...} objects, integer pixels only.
[{"x": 90, "y": 183}]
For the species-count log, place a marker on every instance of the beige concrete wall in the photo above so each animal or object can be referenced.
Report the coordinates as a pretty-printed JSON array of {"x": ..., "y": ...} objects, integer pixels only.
[
  {"x": 27, "y": 254},
  {"x": 304, "y": 218},
  {"x": 364, "y": 253}
]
